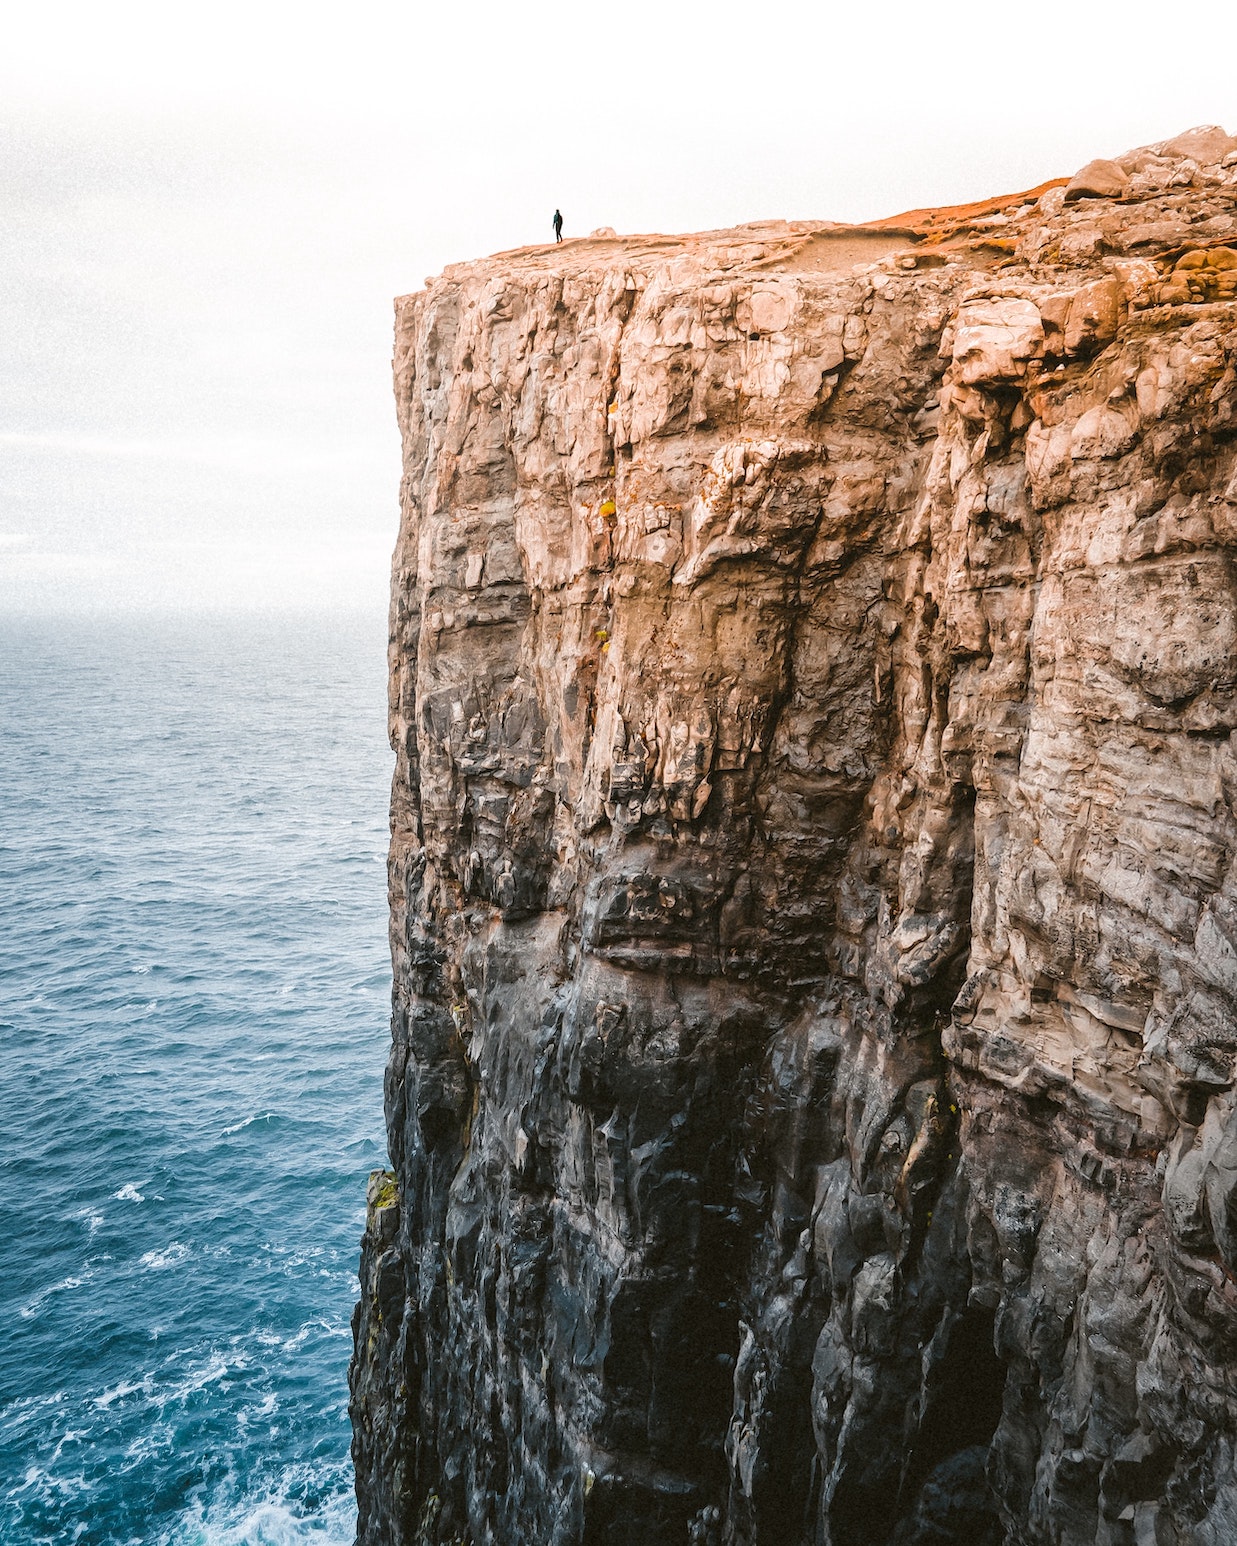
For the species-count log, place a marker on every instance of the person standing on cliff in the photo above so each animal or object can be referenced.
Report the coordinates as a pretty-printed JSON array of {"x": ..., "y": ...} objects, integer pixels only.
[{"x": 558, "y": 225}]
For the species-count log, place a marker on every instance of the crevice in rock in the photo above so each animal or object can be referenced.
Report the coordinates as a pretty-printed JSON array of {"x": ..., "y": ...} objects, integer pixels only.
[{"x": 962, "y": 1407}]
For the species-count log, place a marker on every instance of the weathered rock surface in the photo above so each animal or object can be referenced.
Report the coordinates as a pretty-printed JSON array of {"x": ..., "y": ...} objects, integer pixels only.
[{"x": 812, "y": 1099}]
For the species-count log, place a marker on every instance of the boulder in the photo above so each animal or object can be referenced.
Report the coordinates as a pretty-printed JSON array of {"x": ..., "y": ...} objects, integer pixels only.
[
  {"x": 1208, "y": 145},
  {"x": 1097, "y": 180},
  {"x": 996, "y": 340}
]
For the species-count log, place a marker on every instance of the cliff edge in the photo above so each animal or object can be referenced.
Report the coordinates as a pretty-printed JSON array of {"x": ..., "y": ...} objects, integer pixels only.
[{"x": 812, "y": 1100}]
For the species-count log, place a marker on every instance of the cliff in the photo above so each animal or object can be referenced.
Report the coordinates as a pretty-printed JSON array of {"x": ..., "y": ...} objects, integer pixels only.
[{"x": 812, "y": 1100}]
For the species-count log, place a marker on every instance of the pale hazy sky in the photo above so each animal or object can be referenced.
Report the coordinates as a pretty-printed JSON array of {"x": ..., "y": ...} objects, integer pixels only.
[{"x": 207, "y": 209}]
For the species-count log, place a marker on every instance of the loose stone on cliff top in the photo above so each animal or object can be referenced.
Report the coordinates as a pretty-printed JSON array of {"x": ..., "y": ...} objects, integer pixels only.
[
  {"x": 1097, "y": 180},
  {"x": 1208, "y": 145}
]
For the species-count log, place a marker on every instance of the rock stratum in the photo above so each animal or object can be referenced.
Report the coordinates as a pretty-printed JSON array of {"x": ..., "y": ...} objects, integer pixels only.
[{"x": 812, "y": 1103}]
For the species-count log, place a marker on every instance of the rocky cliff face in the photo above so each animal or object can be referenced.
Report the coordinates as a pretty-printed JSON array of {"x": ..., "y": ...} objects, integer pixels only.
[{"x": 812, "y": 1097}]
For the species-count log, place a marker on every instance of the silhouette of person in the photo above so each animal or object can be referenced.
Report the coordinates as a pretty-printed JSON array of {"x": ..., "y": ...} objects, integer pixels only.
[{"x": 558, "y": 225}]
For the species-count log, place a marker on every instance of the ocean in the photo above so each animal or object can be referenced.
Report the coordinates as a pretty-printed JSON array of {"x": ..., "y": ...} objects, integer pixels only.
[{"x": 194, "y": 995}]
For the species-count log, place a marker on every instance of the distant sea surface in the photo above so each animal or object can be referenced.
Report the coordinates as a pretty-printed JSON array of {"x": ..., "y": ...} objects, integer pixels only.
[{"x": 194, "y": 988}]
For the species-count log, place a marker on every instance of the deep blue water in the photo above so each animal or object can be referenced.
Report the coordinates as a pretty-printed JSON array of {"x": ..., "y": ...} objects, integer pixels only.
[{"x": 194, "y": 988}]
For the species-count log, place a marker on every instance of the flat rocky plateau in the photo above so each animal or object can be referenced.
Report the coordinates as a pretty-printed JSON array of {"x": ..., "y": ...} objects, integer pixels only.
[{"x": 812, "y": 1100}]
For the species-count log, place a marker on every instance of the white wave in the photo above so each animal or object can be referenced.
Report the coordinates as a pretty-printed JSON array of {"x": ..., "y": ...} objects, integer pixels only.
[
  {"x": 239, "y": 1127},
  {"x": 25, "y": 1404},
  {"x": 29, "y": 1311},
  {"x": 50, "y": 1489},
  {"x": 119, "y": 1392},
  {"x": 268, "y": 1519},
  {"x": 91, "y": 1217},
  {"x": 266, "y": 1408},
  {"x": 142, "y": 971},
  {"x": 128, "y": 1193},
  {"x": 156, "y": 1261},
  {"x": 215, "y": 1369},
  {"x": 149, "y": 1445}
]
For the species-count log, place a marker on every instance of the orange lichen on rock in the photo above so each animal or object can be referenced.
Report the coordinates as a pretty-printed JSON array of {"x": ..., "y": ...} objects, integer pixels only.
[{"x": 953, "y": 218}]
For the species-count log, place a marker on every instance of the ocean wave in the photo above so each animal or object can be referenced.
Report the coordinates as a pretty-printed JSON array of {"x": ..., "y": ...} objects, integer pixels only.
[
  {"x": 128, "y": 1193},
  {"x": 303, "y": 1333},
  {"x": 51, "y": 1487},
  {"x": 265, "y": 1409},
  {"x": 25, "y": 1411},
  {"x": 123, "y": 1389},
  {"x": 65, "y": 1285},
  {"x": 217, "y": 1368},
  {"x": 239, "y": 1127},
  {"x": 157, "y": 1261},
  {"x": 160, "y": 1389},
  {"x": 276, "y": 1514}
]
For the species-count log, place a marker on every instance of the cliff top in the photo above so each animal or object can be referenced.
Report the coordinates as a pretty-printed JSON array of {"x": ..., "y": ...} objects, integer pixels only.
[{"x": 1168, "y": 176}]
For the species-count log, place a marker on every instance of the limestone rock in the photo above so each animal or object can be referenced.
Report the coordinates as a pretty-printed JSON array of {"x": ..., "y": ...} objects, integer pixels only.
[
  {"x": 812, "y": 1100},
  {"x": 1207, "y": 145},
  {"x": 1097, "y": 180}
]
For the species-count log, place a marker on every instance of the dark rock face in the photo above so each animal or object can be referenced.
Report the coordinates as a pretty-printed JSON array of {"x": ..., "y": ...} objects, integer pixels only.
[{"x": 813, "y": 683}]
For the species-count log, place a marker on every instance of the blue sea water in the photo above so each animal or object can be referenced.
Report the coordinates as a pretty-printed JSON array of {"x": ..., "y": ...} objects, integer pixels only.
[{"x": 194, "y": 989}]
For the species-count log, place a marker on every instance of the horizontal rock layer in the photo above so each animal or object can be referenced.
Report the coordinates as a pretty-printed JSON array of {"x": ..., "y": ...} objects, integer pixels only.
[{"x": 812, "y": 1097}]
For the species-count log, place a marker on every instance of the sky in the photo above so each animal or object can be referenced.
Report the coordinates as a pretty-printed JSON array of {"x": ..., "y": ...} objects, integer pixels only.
[{"x": 207, "y": 210}]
